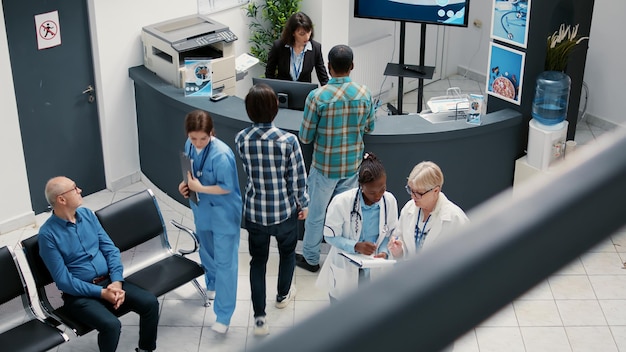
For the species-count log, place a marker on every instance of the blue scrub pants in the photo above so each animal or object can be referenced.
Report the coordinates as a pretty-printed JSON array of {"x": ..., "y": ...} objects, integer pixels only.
[
  {"x": 321, "y": 189},
  {"x": 219, "y": 257}
]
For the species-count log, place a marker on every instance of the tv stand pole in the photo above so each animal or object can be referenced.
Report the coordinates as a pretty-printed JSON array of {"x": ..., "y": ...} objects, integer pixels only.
[{"x": 402, "y": 70}]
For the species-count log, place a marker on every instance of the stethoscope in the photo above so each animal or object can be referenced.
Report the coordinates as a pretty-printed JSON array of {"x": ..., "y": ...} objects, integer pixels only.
[
  {"x": 520, "y": 13},
  {"x": 355, "y": 214},
  {"x": 205, "y": 154}
]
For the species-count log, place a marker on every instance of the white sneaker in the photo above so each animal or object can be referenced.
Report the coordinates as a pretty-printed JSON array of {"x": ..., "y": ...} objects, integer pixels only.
[
  {"x": 282, "y": 302},
  {"x": 260, "y": 327},
  {"x": 210, "y": 294},
  {"x": 219, "y": 328}
]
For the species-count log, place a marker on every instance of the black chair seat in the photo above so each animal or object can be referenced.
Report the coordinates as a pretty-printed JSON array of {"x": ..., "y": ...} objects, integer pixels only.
[
  {"x": 30, "y": 332},
  {"x": 33, "y": 335},
  {"x": 79, "y": 328},
  {"x": 166, "y": 275}
]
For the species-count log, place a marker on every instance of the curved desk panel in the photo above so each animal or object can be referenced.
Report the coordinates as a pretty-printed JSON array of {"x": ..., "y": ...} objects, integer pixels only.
[{"x": 478, "y": 161}]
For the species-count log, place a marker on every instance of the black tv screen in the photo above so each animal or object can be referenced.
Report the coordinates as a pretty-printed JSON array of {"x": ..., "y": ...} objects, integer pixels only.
[{"x": 443, "y": 12}]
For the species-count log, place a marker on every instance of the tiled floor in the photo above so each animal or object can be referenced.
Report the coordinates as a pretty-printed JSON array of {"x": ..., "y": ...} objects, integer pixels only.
[{"x": 581, "y": 308}]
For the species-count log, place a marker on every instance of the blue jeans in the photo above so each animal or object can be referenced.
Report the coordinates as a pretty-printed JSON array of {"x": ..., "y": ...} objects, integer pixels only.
[
  {"x": 321, "y": 190},
  {"x": 219, "y": 254},
  {"x": 286, "y": 234},
  {"x": 97, "y": 314}
]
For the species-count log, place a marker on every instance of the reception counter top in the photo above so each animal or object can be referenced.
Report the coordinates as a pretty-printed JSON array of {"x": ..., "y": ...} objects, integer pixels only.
[{"x": 478, "y": 161}]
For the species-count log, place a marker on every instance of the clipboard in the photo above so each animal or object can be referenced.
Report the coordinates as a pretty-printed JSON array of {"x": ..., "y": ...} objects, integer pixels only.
[
  {"x": 186, "y": 165},
  {"x": 366, "y": 261}
]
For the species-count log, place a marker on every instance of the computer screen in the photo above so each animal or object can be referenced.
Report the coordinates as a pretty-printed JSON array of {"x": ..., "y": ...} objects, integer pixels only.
[{"x": 291, "y": 94}]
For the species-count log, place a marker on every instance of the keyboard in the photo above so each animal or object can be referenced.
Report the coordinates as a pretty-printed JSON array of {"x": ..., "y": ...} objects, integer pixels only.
[{"x": 189, "y": 44}]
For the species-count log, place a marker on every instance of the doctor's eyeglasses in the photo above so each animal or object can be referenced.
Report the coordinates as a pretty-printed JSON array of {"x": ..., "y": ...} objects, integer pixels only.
[{"x": 416, "y": 194}]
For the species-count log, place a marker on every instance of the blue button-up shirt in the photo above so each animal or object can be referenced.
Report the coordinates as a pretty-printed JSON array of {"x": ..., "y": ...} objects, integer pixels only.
[{"x": 76, "y": 253}]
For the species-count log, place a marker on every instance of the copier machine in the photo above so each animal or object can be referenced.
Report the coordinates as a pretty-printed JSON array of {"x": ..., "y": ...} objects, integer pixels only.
[{"x": 167, "y": 44}]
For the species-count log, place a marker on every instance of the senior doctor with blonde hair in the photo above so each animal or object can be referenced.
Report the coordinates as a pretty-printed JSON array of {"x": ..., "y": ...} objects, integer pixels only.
[{"x": 428, "y": 217}]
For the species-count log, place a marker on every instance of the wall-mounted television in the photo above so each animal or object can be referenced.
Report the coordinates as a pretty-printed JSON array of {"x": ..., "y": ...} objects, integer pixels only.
[{"x": 442, "y": 12}]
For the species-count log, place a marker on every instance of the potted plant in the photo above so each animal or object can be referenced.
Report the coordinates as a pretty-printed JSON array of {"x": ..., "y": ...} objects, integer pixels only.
[
  {"x": 268, "y": 18},
  {"x": 560, "y": 45}
]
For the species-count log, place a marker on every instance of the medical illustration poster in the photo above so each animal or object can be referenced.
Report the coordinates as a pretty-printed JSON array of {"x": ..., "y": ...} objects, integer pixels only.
[
  {"x": 506, "y": 69},
  {"x": 510, "y": 21}
]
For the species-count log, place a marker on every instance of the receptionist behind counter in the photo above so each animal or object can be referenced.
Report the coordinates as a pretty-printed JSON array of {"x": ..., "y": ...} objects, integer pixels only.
[{"x": 295, "y": 54}]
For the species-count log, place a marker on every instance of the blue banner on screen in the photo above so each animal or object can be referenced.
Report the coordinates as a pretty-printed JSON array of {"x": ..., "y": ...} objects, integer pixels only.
[{"x": 444, "y": 12}]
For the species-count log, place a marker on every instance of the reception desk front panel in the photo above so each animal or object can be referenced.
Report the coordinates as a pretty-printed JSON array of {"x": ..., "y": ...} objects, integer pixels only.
[{"x": 478, "y": 161}]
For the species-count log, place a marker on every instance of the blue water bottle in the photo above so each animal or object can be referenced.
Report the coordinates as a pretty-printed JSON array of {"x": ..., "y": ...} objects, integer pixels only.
[{"x": 551, "y": 97}]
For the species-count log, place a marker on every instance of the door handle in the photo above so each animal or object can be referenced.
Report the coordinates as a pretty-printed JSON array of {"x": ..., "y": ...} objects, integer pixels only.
[{"x": 89, "y": 89}]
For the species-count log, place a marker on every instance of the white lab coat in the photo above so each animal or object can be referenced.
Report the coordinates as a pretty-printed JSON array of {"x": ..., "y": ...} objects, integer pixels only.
[
  {"x": 338, "y": 275},
  {"x": 446, "y": 218}
]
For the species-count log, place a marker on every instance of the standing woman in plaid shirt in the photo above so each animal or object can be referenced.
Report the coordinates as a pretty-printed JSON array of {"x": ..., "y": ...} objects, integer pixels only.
[{"x": 275, "y": 197}]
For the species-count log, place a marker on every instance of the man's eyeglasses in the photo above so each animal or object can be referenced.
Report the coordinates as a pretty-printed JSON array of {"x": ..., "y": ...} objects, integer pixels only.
[
  {"x": 75, "y": 188},
  {"x": 416, "y": 194}
]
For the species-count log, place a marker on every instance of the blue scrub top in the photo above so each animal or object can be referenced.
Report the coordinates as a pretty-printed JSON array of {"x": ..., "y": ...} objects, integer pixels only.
[{"x": 216, "y": 212}]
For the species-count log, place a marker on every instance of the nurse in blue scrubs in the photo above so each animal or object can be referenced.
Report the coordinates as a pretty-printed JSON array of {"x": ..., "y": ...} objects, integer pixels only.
[{"x": 217, "y": 215}]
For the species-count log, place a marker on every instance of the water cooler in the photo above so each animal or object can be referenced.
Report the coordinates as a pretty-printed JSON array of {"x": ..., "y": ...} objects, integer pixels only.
[
  {"x": 547, "y": 130},
  {"x": 546, "y": 143}
]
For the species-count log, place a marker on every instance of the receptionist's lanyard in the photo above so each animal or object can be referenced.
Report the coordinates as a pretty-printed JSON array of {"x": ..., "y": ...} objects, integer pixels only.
[
  {"x": 296, "y": 63},
  {"x": 205, "y": 154}
]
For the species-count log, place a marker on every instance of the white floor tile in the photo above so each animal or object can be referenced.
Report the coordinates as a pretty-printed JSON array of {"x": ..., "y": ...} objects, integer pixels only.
[
  {"x": 577, "y": 312},
  {"x": 591, "y": 339},
  {"x": 498, "y": 339},
  {"x": 537, "y": 313},
  {"x": 542, "y": 339}
]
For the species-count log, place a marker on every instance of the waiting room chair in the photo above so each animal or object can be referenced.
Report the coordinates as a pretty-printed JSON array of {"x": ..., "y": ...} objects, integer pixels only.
[
  {"x": 21, "y": 329},
  {"x": 136, "y": 227}
]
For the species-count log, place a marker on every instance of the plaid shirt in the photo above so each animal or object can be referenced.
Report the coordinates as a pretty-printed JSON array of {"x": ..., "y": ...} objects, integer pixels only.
[
  {"x": 336, "y": 116},
  {"x": 273, "y": 161}
]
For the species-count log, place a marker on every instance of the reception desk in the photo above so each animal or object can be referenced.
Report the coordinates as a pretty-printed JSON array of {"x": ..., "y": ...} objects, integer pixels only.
[{"x": 478, "y": 161}]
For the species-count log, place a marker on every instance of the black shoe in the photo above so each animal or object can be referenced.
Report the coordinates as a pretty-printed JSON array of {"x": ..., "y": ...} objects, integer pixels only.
[{"x": 301, "y": 262}]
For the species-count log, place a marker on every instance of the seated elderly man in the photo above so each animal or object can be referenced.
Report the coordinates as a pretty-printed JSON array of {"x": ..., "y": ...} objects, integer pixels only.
[{"x": 86, "y": 267}]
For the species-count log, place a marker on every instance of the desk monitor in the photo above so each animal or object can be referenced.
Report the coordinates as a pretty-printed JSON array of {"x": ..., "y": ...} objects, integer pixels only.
[{"x": 291, "y": 94}]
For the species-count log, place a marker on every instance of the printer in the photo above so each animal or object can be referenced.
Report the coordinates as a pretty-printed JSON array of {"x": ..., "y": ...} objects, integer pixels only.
[{"x": 167, "y": 44}]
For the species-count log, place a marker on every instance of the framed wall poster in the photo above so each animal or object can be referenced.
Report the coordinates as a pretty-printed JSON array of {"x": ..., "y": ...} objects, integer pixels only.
[
  {"x": 510, "y": 19},
  {"x": 506, "y": 69},
  {"x": 210, "y": 6}
]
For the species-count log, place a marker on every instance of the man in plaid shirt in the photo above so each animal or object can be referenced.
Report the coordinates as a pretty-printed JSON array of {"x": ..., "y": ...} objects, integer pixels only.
[
  {"x": 274, "y": 199},
  {"x": 336, "y": 116}
]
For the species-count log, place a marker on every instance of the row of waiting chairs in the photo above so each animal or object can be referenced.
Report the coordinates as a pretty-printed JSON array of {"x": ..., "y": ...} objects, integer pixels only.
[{"x": 136, "y": 227}]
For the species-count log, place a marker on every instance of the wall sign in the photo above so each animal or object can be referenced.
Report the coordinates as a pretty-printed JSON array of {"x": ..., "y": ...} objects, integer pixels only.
[
  {"x": 510, "y": 20},
  {"x": 506, "y": 70},
  {"x": 48, "y": 30},
  {"x": 209, "y": 6}
]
